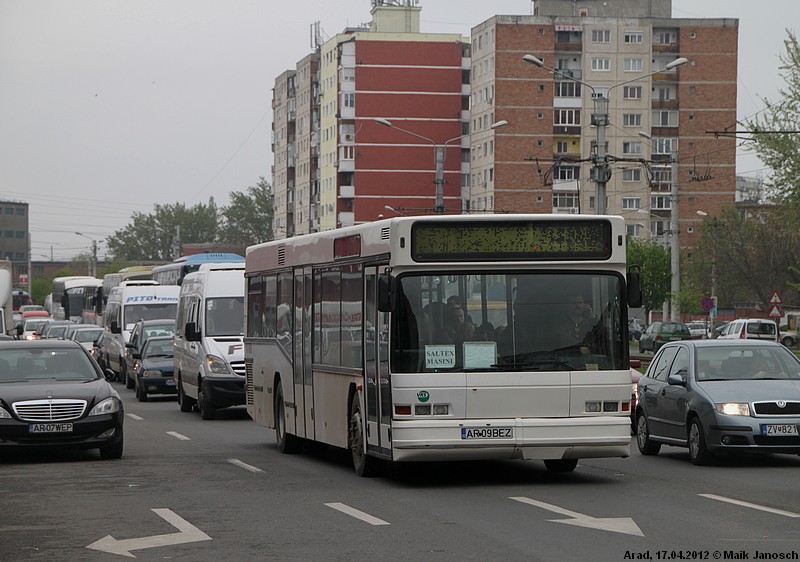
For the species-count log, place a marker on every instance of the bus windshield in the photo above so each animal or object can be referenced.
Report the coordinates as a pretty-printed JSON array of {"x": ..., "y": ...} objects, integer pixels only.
[{"x": 520, "y": 321}]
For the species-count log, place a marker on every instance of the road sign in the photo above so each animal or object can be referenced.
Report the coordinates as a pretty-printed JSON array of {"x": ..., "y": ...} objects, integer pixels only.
[
  {"x": 23, "y": 279},
  {"x": 775, "y": 299},
  {"x": 775, "y": 311},
  {"x": 707, "y": 303}
]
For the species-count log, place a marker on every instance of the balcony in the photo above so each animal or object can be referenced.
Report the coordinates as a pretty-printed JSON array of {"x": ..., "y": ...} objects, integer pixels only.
[
  {"x": 347, "y": 191},
  {"x": 346, "y": 219},
  {"x": 665, "y": 104},
  {"x": 575, "y": 73},
  {"x": 346, "y": 165},
  {"x": 567, "y": 130},
  {"x": 570, "y": 46}
]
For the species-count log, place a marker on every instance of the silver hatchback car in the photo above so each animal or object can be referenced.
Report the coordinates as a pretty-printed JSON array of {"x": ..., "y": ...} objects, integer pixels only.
[{"x": 720, "y": 396}]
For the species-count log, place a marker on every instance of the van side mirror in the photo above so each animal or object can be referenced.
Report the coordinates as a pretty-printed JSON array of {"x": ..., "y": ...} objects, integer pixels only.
[
  {"x": 191, "y": 332},
  {"x": 115, "y": 327},
  {"x": 635, "y": 290},
  {"x": 387, "y": 292},
  {"x": 20, "y": 330}
]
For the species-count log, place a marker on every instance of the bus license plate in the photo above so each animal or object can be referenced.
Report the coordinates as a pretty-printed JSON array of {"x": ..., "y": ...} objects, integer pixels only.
[
  {"x": 784, "y": 429},
  {"x": 487, "y": 433},
  {"x": 50, "y": 428}
]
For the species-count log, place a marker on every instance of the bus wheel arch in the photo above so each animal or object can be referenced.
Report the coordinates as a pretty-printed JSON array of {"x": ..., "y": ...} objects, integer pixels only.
[{"x": 287, "y": 443}]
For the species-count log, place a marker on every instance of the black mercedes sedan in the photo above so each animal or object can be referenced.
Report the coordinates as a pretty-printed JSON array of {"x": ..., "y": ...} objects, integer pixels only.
[{"x": 52, "y": 394}]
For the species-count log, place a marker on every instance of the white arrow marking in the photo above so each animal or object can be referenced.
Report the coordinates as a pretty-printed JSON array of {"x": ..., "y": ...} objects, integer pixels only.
[
  {"x": 624, "y": 525},
  {"x": 750, "y": 505},
  {"x": 187, "y": 533},
  {"x": 353, "y": 512},
  {"x": 244, "y": 465},
  {"x": 180, "y": 436},
  {"x": 134, "y": 417}
]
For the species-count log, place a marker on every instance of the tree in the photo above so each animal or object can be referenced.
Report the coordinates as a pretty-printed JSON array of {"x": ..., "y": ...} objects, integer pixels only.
[
  {"x": 781, "y": 150},
  {"x": 654, "y": 261},
  {"x": 248, "y": 218},
  {"x": 152, "y": 237}
]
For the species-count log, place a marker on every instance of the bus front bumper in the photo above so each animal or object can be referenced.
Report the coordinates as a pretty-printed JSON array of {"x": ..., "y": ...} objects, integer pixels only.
[{"x": 521, "y": 438}]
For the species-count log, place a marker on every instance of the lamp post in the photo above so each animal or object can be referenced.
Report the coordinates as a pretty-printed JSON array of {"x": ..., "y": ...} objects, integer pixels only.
[
  {"x": 93, "y": 265},
  {"x": 439, "y": 157},
  {"x": 713, "y": 267},
  {"x": 601, "y": 172}
]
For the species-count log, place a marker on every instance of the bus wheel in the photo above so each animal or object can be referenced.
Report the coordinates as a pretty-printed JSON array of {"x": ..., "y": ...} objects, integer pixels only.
[
  {"x": 364, "y": 464},
  {"x": 184, "y": 402},
  {"x": 560, "y": 465},
  {"x": 287, "y": 443}
]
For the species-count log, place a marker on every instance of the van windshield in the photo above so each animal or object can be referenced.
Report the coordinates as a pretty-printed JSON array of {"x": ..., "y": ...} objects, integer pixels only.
[
  {"x": 225, "y": 316},
  {"x": 153, "y": 311}
]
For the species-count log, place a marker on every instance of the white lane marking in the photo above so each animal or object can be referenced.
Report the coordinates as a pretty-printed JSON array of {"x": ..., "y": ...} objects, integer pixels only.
[
  {"x": 624, "y": 525},
  {"x": 244, "y": 465},
  {"x": 186, "y": 533},
  {"x": 352, "y": 512},
  {"x": 750, "y": 505},
  {"x": 134, "y": 417},
  {"x": 177, "y": 435}
]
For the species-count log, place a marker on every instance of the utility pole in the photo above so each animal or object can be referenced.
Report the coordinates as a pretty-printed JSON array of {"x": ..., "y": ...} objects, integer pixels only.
[
  {"x": 439, "y": 181},
  {"x": 675, "y": 248},
  {"x": 94, "y": 258},
  {"x": 600, "y": 172}
]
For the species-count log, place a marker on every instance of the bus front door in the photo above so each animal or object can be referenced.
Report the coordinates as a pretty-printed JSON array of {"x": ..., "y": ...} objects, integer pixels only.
[{"x": 377, "y": 393}]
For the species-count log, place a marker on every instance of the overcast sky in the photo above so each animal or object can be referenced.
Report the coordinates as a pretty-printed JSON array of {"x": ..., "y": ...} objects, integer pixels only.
[{"x": 108, "y": 107}]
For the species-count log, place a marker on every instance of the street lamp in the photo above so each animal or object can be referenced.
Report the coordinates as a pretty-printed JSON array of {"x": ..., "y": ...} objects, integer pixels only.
[
  {"x": 601, "y": 172},
  {"x": 439, "y": 156},
  {"x": 93, "y": 266},
  {"x": 713, "y": 267}
]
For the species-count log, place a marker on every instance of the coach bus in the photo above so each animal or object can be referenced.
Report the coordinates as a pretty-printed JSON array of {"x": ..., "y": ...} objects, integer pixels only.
[
  {"x": 70, "y": 300},
  {"x": 173, "y": 273},
  {"x": 359, "y": 338}
]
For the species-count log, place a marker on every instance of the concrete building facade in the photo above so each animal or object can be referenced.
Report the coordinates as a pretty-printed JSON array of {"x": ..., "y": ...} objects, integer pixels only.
[{"x": 14, "y": 238}]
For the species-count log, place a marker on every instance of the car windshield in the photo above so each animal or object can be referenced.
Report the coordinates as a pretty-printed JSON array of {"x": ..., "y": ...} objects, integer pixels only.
[
  {"x": 158, "y": 348},
  {"x": 43, "y": 364},
  {"x": 488, "y": 321},
  {"x": 87, "y": 335},
  {"x": 56, "y": 332},
  {"x": 727, "y": 363}
]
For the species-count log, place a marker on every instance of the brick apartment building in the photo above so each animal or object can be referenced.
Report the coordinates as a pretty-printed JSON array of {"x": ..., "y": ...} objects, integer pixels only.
[{"x": 335, "y": 166}]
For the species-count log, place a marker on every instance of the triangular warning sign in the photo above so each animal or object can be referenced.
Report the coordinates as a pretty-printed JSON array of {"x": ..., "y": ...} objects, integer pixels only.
[
  {"x": 775, "y": 311},
  {"x": 776, "y": 298}
]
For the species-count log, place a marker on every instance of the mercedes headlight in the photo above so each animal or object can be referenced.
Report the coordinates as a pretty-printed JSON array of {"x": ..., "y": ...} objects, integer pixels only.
[{"x": 107, "y": 406}]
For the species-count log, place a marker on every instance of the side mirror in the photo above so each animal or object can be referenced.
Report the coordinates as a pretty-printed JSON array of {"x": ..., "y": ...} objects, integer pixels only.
[
  {"x": 635, "y": 289},
  {"x": 387, "y": 293},
  {"x": 678, "y": 379},
  {"x": 20, "y": 329},
  {"x": 130, "y": 345},
  {"x": 191, "y": 332},
  {"x": 109, "y": 374},
  {"x": 115, "y": 327},
  {"x": 136, "y": 355}
]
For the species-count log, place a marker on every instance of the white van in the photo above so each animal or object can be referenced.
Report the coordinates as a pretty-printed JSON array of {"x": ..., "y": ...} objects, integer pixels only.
[
  {"x": 751, "y": 329},
  {"x": 129, "y": 302},
  {"x": 209, "y": 352}
]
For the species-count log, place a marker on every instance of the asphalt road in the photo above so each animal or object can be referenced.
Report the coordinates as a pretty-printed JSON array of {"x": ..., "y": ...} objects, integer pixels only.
[{"x": 222, "y": 487}]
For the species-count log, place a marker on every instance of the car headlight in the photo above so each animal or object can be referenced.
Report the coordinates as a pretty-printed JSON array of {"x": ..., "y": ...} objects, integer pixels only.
[
  {"x": 152, "y": 373},
  {"x": 217, "y": 365},
  {"x": 734, "y": 408},
  {"x": 107, "y": 406},
  {"x": 4, "y": 414}
]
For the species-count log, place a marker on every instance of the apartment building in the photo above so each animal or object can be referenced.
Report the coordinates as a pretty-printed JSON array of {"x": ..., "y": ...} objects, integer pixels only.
[
  {"x": 334, "y": 164},
  {"x": 542, "y": 163},
  {"x": 14, "y": 241}
]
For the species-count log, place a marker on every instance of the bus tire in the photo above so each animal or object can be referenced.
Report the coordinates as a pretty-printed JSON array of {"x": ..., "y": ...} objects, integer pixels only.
[
  {"x": 207, "y": 409},
  {"x": 287, "y": 443},
  {"x": 560, "y": 465},
  {"x": 364, "y": 464},
  {"x": 184, "y": 402}
]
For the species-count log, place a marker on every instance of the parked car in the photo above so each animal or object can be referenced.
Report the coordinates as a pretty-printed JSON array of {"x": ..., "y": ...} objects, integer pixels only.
[
  {"x": 698, "y": 329},
  {"x": 154, "y": 367},
  {"x": 97, "y": 350},
  {"x": 86, "y": 334},
  {"x": 789, "y": 338},
  {"x": 659, "y": 333},
  {"x": 140, "y": 333},
  {"x": 31, "y": 329},
  {"x": 53, "y": 395},
  {"x": 750, "y": 328},
  {"x": 636, "y": 328},
  {"x": 720, "y": 396},
  {"x": 718, "y": 329}
]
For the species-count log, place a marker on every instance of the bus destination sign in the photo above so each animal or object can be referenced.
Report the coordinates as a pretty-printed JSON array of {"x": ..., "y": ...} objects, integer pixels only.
[{"x": 512, "y": 240}]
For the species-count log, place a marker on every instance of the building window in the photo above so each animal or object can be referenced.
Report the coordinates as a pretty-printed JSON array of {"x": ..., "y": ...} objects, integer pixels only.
[
  {"x": 9, "y": 210},
  {"x": 634, "y": 230},
  {"x": 601, "y": 64},
  {"x": 349, "y": 100},
  {"x": 660, "y": 202},
  {"x": 632, "y": 174},
  {"x": 9, "y": 234},
  {"x": 659, "y": 228},
  {"x": 566, "y": 173},
  {"x": 567, "y": 117},
  {"x": 562, "y": 147},
  {"x": 631, "y": 203},
  {"x": 632, "y": 92},
  {"x": 20, "y": 234},
  {"x": 601, "y": 36},
  {"x": 540, "y": 115},
  {"x": 630, "y": 147},
  {"x": 565, "y": 200},
  {"x": 664, "y": 145},
  {"x": 541, "y": 87},
  {"x": 633, "y": 65},
  {"x": 665, "y": 119},
  {"x": 664, "y": 37},
  {"x": 567, "y": 90},
  {"x": 634, "y": 37},
  {"x": 631, "y": 119},
  {"x": 690, "y": 229}
]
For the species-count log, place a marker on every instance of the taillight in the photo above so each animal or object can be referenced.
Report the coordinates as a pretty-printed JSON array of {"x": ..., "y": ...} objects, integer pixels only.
[{"x": 659, "y": 338}]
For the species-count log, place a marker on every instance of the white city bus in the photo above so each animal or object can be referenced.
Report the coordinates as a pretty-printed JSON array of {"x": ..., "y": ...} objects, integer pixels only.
[{"x": 347, "y": 339}]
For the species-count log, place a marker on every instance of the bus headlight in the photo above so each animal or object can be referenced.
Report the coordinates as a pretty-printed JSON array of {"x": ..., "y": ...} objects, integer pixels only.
[{"x": 217, "y": 365}]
